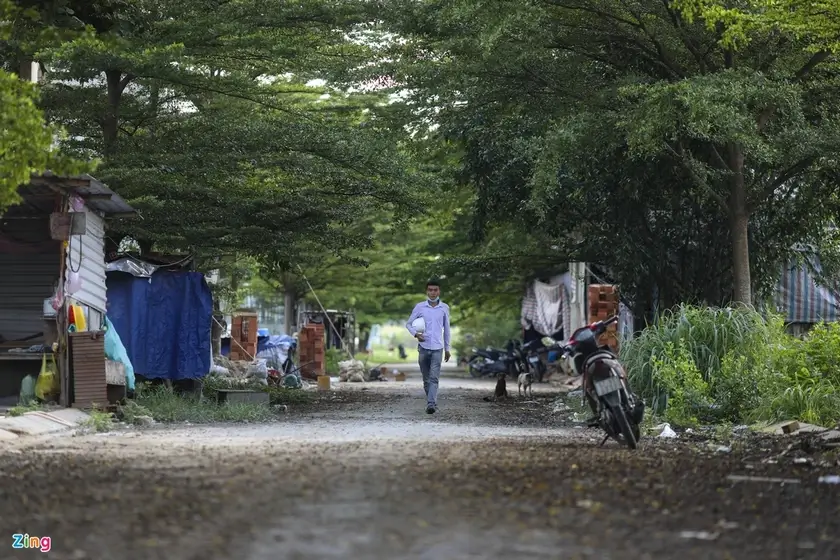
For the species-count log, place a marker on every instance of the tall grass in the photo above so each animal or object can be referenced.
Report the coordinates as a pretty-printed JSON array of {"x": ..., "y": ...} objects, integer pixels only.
[
  {"x": 701, "y": 364},
  {"x": 706, "y": 334}
]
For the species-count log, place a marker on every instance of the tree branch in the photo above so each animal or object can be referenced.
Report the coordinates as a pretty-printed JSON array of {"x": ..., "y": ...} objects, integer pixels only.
[
  {"x": 702, "y": 183},
  {"x": 812, "y": 63},
  {"x": 783, "y": 178},
  {"x": 125, "y": 81}
]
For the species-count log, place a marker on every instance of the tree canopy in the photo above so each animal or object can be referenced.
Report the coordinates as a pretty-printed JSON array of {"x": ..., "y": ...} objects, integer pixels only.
[
  {"x": 684, "y": 146},
  {"x": 26, "y": 140},
  {"x": 210, "y": 118},
  {"x": 628, "y": 134}
]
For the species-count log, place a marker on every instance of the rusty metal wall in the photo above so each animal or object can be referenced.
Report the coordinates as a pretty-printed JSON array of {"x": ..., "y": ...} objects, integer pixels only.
[
  {"x": 28, "y": 275},
  {"x": 87, "y": 364}
]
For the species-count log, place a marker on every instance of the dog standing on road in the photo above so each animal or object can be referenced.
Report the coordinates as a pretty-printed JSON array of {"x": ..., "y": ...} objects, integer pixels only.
[
  {"x": 501, "y": 391},
  {"x": 526, "y": 380}
]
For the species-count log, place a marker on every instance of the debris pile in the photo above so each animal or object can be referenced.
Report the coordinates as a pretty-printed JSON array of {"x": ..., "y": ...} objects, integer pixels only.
[
  {"x": 258, "y": 371},
  {"x": 224, "y": 367},
  {"x": 353, "y": 371}
]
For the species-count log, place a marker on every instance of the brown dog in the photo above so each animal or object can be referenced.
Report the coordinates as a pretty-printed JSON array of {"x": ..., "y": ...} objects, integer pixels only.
[{"x": 501, "y": 390}]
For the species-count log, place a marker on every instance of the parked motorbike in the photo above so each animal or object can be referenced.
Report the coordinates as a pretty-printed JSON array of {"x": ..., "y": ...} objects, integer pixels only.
[
  {"x": 492, "y": 362},
  {"x": 531, "y": 352},
  {"x": 618, "y": 411}
]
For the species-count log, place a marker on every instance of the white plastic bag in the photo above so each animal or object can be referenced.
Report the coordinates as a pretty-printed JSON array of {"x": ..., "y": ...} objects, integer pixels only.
[
  {"x": 258, "y": 369},
  {"x": 74, "y": 283},
  {"x": 665, "y": 431}
]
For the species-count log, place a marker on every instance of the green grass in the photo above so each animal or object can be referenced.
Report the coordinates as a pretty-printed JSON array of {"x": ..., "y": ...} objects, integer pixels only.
[
  {"x": 381, "y": 355},
  {"x": 22, "y": 409},
  {"x": 707, "y": 334},
  {"x": 99, "y": 421},
  {"x": 707, "y": 365},
  {"x": 164, "y": 405}
]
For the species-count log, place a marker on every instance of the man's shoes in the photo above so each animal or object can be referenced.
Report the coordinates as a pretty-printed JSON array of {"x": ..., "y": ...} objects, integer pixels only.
[{"x": 430, "y": 409}]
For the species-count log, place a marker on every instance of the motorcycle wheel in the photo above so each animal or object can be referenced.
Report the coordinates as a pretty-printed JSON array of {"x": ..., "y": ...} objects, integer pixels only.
[
  {"x": 627, "y": 431},
  {"x": 474, "y": 371}
]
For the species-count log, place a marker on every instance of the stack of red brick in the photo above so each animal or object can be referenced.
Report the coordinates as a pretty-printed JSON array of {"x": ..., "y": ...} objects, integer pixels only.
[
  {"x": 603, "y": 304},
  {"x": 243, "y": 337},
  {"x": 311, "y": 350}
]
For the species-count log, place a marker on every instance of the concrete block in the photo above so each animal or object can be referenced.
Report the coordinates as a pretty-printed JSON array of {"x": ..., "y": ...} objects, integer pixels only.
[
  {"x": 72, "y": 415},
  {"x": 8, "y": 436},
  {"x": 236, "y": 396},
  {"x": 790, "y": 427},
  {"x": 30, "y": 425}
]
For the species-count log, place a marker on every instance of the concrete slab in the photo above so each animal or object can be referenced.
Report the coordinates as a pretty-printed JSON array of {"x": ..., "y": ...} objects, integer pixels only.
[
  {"x": 831, "y": 435},
  {"x": 73, "y": 416},
  {"x": 7, "y": 436},
  {"x": 30, "y": 425},
  {"x": 803, "y": 429},
  {"x": 51, "y": 418}
]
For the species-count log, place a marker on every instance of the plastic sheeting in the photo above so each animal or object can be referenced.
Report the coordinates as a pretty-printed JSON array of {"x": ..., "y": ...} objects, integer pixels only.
[
  {"x": 134, "y": 267},
  {"x": 273, "y": 348},
  {"x": 164, "y": 322},
  {"x": 276, "y": 350},
  {"x": 803, "y": 300},
  {"x": 116, "y": 352}
]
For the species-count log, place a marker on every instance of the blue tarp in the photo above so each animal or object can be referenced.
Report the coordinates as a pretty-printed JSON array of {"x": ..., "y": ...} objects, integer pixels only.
[{"x": 163, "y": 321}]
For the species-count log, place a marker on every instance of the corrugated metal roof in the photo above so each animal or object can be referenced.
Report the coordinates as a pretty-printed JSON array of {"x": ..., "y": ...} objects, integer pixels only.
[{"x": 97, "y": 195}]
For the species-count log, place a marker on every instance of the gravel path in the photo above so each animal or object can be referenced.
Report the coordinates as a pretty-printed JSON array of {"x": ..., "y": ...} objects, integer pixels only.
[{"x": 367, "y": 474}]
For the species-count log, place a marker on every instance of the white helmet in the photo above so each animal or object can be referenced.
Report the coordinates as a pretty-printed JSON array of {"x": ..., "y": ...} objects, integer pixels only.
[{"x": 419, "y": 325}]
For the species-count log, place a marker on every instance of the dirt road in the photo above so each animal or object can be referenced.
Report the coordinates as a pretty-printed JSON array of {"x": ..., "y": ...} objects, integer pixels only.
[{"x": 367, "y": 474}]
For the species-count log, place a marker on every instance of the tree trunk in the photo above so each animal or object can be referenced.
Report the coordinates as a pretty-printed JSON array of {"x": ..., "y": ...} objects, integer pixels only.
[
  {"x": 29, "y": 71},
  {"x": 289, "y": 308},
  {"x": 216, "y": 330},
  {"x": 364, "y": 337},
  {"x": 739, "y": 221}
]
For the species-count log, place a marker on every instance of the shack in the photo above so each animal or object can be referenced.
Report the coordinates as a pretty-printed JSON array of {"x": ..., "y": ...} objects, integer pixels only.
[{"x": 52, "y": 259}]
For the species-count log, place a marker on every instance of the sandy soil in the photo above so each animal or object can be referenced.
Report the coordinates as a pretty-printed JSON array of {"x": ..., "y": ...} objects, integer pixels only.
[{"x": 365, "y": 473}]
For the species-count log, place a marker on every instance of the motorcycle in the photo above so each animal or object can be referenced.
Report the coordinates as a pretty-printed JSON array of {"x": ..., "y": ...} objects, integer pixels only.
[
  {"x": 530, "y": 355},
  {"x": 494, "y": 362},
  {"x": 618, "y": 411}
]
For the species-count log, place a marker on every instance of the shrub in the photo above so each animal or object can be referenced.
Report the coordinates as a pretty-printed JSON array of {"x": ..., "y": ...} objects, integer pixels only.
[
  {"x": 331, "y": 359},
  {"x": 732, "y": 365},
  {"x": 803, "y": 383},
  {"x": 705, "y": 334},
  {"x": 675, "y": 373}
]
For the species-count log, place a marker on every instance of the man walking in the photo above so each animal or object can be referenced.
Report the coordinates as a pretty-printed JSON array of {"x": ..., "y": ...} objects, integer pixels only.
[{"x": 433, "y": 340}]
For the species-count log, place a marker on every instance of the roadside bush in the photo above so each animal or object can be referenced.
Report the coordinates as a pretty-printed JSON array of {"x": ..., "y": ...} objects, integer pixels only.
[
  {"x": 331, "y": 358},
  {"x": 164, "y": 405},
  {"x": 676, "y": 374},
  {"x": 804, "y": 379},
  {"x": 733, "y": 365},
  {"x": 705, "y": 337}
]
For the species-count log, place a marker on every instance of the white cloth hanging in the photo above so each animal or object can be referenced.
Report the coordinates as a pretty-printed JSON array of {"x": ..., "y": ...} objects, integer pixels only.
[{"x": 549, "y": 299}]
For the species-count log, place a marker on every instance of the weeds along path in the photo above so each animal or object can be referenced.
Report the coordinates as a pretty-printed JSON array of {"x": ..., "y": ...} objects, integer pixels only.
[{"x": 367, "y": 474}]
